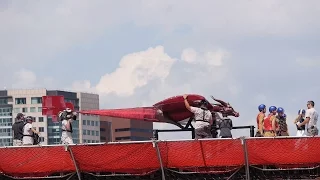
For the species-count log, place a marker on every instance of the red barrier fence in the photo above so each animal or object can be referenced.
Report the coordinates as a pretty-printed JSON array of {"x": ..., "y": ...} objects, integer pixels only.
[{"x": 142, "y": 157}]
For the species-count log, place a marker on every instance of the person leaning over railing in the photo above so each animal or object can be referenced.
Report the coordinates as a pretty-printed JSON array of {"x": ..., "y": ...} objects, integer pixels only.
[{"x": 310, "y": 120}]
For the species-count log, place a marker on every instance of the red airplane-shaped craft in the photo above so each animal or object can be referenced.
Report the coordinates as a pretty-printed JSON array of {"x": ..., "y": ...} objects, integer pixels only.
[{"x": 171, "y": 110}]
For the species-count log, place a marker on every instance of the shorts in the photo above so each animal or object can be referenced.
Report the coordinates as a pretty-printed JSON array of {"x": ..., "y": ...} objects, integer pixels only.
[
  {"x": 313, "y": 131},
  {"x": 301, "y": 133},
  {"x": 17, "y": 142},
  {"x": 269, "y": 134},
  {"x": 203, "y": 132}
]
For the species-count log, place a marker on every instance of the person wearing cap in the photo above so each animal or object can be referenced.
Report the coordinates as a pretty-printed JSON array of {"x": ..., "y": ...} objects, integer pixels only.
[
  {"x": 28, "y": 131},
  {"x": 311, "y": 119},
  {"x": 203, "y": 118},
  {"x": 300, "y": 119},
  {"x": 17, "y": 129},
  {"x": 67, "y": 116}
]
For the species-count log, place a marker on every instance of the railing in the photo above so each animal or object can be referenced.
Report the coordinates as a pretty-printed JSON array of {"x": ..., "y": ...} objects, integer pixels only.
[{"x": 145, "y": 157}]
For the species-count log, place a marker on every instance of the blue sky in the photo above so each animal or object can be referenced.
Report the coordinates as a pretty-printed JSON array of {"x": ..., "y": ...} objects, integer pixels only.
[{"x": 136, "y": 53}]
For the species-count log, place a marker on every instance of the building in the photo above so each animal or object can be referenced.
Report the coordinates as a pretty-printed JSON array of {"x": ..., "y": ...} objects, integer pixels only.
[
  {"x": 127, "y": 130},
  {"x": 29, "y": 101}
]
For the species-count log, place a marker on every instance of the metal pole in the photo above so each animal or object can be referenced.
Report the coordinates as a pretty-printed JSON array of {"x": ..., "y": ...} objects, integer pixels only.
[
  {"x": 155, "y": 134},
  {"x": 244, "y": 145},
  {"x": 251, "y": 131},
  {"x": 193, "y": 134},
  {"x": 75, "y": 163},
  {"x": 155, "y": 144}
]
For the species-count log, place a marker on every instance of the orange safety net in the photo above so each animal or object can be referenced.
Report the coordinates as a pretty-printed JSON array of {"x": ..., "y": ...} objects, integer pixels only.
[{"x": 141, "y": 157}]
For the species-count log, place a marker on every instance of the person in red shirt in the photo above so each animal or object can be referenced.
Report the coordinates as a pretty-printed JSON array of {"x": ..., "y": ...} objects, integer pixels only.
[
  {"x": 260, "y": 117},
  {"x": 270, "y": 123}
]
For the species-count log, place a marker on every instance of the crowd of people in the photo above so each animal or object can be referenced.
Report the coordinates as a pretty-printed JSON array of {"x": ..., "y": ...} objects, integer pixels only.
[
  {"x": 24, "y": 134},
  {"x": 271, "y": 125},
  {"x": 275, "y": 123}
]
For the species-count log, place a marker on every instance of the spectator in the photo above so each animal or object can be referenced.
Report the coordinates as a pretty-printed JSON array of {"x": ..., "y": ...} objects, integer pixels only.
[
  {"x": 300, "y": 119},
  {"x": 17, "y": 128},
  {"x": 311, "y": 119},
  {"x": 28, "y": 131},
  {"x": 282, "y": 121},
  {"x": 225, "y": 126},
  {"x": 260, "y": 118}
]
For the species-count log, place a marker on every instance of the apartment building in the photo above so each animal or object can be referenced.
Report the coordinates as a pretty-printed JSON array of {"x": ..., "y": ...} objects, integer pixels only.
[
  {"x": 29, "y": 101},
  {"x": 126, "y": 129}
]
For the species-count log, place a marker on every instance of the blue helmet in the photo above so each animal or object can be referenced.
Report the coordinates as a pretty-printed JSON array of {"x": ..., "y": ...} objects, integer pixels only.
[
  {"x": 272, "y": 108},
  {"x": 261, "y": 107},
  {"x": 301, "y": 111},
  {"x": 280, "y": 110}
]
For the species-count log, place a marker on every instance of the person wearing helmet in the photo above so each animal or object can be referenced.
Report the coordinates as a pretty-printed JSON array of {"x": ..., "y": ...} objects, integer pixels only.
[
  {"x": 203, "y": 118},
  {"x": 282, "y": 122},
  {"x": 260, "y": 118},
  {"x": 300, "y": 119},
  {"x": 28, "y": 131},
  {"x": 269, "y": 123},
  {"x": 311, "y": 119},
  {"x": 17, "y": 128},
  {"x": 67, "y": 116}
]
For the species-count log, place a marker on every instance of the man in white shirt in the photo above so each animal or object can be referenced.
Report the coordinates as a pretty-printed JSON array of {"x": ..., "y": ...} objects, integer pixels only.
[
  {"x": 311, "y": 119},
  {"x": 67, "y": 117},
  {"x": 203, "y": 118},
  {"x": 28, "y": 131}
]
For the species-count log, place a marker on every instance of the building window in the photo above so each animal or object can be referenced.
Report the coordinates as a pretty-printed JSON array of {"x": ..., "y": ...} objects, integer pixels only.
[
  {"x": 3, "y": 101},
  {"x": 92, "y": 133},
  {"x": 97, "y": 133},
  {"x": 103, "y": 138},
  {"x": 102, "y": 129},
  {"x": 88, "y": 122},
  {"x": 39, "y": 109},
  {"x": 122, "y": 129},
  {"x": 21, "y": 100},
  {"x": 41, "y": 129},
  {"x": 40, "y": 119},
  {"x": 16, "y": 110},
  {"x": 92, "y": 123},
  {"x": 88, "y": 132},
  {"x": 41, "y": 139},
  {"x": 84, "y": 141},
  {"x": 36, "y": 100},
  {"x": 97, "y": 123},
  {"x": 123, "y": 138},
  {"x": 32, "y": 109},
  {"x": 24, "y": 110},
  {"x": 6, "y": 111},
  {"x": 84, "y": 122},
  {"x": 84, "y": 132}
]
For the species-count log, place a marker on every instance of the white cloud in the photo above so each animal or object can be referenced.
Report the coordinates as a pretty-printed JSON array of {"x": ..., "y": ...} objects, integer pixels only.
[
  {"x": 24, "y": 78},
  {"x": 189, "y": 55},
  {"x": 136, "y": 70}
]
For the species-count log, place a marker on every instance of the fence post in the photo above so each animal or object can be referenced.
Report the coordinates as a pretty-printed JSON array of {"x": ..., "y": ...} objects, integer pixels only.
[
  {"x": 74, "y": 162},
  {"x": 155, "y": 145},
  {"x": 246, "y": 159}
]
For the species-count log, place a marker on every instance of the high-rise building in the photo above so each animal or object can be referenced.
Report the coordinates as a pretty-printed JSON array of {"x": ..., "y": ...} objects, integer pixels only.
[
  {"x": 86, "y": 129},
  {"x": 128, "y": 130}
]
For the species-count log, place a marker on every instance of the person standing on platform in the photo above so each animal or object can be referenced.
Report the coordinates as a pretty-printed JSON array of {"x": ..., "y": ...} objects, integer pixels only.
[
  {"x": 28, "y": 131},
  {"x": 17, "y": 128},
  {"x": 67, "y": 117},
  {"x": 300, "y": 119},
  {"x": 260, "y": 118},
  {"x": 225, "y": 126},
  {"x": 282, "y": 121},
  {"x": 311, "y": 119},
  {"x": 203, "y": 118},
  {"x": 270, "y": 123}
]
